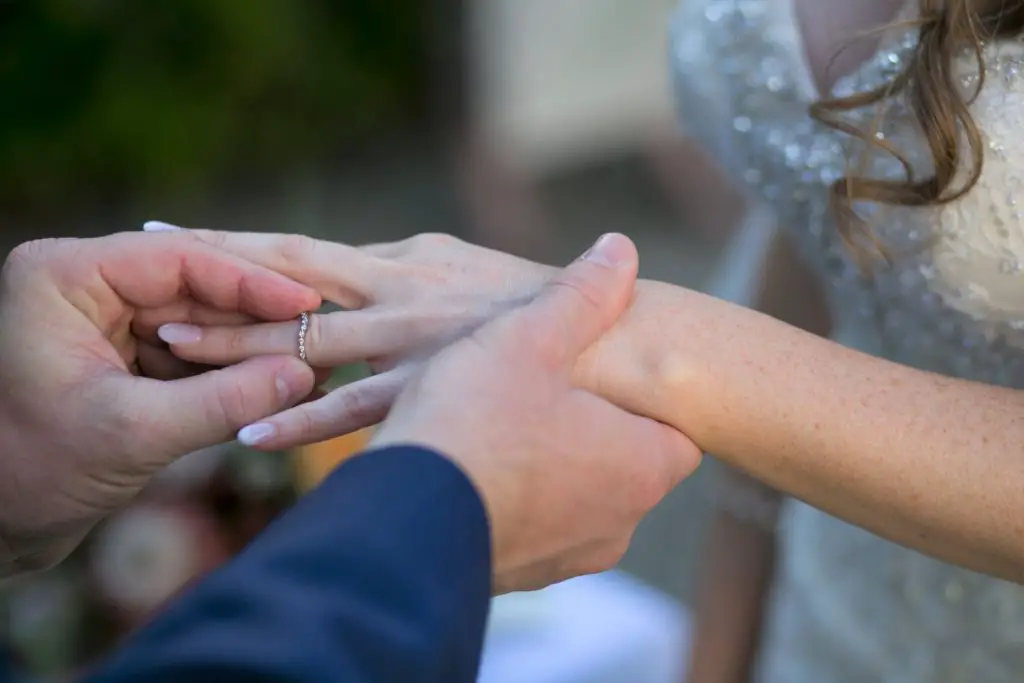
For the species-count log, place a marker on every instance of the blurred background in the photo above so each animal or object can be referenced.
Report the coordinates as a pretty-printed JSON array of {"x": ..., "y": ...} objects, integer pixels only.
[{"x": 530, "y": 126}]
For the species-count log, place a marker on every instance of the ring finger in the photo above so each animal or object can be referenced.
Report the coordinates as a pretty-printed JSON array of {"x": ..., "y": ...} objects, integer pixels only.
[
  {"x": 332, "y": 339},
  {"x": 147, "y": 321}
]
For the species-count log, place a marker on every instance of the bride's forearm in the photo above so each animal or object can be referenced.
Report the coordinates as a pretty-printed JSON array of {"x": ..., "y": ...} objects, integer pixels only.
[{"x": 927, "y": 461}]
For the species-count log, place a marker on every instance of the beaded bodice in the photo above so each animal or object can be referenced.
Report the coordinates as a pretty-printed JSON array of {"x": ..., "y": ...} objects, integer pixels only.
[
  {"x": 851, "y": 606},
  {"x": 953, "y": 301}
]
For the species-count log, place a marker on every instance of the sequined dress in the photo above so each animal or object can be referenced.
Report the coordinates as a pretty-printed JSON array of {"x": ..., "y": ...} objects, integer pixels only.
[{"x": 848, "y": 606}]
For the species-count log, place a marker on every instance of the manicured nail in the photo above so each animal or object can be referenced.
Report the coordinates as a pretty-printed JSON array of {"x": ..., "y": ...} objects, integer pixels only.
[
  {"x": 175, "y": 333},
  {"x": 611, "y": 250},
  {"x": 159, "y": 226},
  {"x": 254, "y": 435}
]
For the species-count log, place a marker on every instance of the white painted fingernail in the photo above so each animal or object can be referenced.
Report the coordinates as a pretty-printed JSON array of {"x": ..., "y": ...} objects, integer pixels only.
[
  {"x": 159, "y": 226},
  {"x": 175, "y": 333},
  {"x": 254, "y": 435}
]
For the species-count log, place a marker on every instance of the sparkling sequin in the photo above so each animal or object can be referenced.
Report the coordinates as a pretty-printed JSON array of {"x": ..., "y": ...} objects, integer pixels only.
[{"x": 850, "y": 606}]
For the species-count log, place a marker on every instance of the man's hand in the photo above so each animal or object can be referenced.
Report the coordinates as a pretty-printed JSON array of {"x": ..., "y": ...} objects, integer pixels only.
[
  {"x": 565, "y": 475},
  {"x": 82, "y": 430}
]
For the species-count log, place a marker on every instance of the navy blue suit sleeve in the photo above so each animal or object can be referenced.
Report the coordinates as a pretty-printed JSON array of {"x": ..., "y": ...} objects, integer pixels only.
[{"x": 381, "y": 574}]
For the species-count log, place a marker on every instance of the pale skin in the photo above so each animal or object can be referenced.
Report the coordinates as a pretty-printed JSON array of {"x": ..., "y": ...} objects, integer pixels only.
[
  {"x": 738, "y": 562},
  {"x": 90, "y": 410},
  {"x": 565, "y": 476},
  {"x": 901, "y": 469},
  {"x": 889, "y": 448},
  {"x": 86, "y": 416}
]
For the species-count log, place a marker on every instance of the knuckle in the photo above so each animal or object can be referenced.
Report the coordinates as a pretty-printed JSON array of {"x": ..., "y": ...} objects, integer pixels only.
[
  {"x": 297, "y": 248},
  {"x": 63, "y": 260},
  {"x": 305, "y": 425},
  {"x": 235, "y": 404},
  {"x": 29, "y": 255},
  {"x": 401, "y": 248},
  {"x": 358, "y": 406},
  {"x": 433, "y": 240},
  {"x": 582, "y": 290},
  {"x": 214, "y": 238},
  {"x": 234, "y": 343}
]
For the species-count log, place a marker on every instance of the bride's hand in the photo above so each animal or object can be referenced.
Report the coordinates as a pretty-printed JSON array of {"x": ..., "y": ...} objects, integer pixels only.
[{"x": 403, "y": 301}]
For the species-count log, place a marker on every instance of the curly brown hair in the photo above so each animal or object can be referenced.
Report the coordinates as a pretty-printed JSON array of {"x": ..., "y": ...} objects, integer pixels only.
[{"x": 942, "y": 112}]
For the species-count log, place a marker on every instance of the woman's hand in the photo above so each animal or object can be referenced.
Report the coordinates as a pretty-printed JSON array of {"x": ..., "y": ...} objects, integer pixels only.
[{"x": 404, "y": 301}]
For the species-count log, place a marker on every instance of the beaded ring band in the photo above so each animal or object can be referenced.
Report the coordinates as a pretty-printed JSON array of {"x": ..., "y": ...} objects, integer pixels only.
[{"x": 303, "y": 329}]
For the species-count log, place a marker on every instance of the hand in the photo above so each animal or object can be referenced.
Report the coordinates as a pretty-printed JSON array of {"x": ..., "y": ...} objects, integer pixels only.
[
  {"x": 81, "y": 432},
  {"x": 407, "y": 300},
  {"x": 565, "y": 475}
]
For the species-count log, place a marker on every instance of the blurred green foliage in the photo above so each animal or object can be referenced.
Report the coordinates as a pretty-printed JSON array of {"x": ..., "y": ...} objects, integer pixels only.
[{"x": 144, "y": 96}]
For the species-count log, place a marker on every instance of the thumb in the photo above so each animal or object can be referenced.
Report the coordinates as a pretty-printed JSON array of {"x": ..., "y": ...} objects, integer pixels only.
[
  {"x": 169, "y": 419},
  {"x": 583, "y": 301}
]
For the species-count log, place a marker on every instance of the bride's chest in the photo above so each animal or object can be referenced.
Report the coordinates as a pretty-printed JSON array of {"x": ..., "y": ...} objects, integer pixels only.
[{"x": 952, "y": 299}]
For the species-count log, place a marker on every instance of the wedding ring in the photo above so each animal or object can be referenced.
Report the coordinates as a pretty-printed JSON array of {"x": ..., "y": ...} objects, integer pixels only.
[{"x": 303, "y": 329}]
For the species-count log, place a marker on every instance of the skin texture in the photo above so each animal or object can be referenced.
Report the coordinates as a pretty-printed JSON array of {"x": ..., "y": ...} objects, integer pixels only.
[
  {"x": 82, "y": 431},
  {"x": 565, "y": 476},
  {"x": 738, "y": 563},
  {"x": 886, "y": 447}
]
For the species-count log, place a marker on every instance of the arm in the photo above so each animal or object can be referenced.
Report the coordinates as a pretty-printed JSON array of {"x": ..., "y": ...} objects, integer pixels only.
[
  {"x": 884, "y": 446},
  {"x": 890, "y": 448},
  {"x": 738, "y": 563},
  {"x": 349, "y": 586}
]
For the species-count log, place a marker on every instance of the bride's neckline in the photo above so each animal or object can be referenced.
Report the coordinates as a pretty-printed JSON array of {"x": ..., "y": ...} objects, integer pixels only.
[{"x": 854, "y": 55}]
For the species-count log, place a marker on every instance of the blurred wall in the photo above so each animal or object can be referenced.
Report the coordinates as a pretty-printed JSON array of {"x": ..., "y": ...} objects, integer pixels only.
[{"x": 562, "y": 82}]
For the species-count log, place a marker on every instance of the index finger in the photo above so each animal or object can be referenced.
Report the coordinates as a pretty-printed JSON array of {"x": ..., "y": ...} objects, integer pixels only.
[
  {"x": 579, "y": 304},
  {"x": 154, "y": 270}
]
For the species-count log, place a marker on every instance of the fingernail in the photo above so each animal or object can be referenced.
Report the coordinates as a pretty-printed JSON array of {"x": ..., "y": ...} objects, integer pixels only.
[
  {"x": 611, "y": 250},
  {"x": 159, "y": 226},
  {"x": 254, "y": 435},
  {"x": 175, "y": 333}
]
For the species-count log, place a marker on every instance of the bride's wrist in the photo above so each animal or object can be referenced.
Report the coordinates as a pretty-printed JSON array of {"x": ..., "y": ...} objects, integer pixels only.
[
  {"x": 623, "y": 366},
  {"x": 664, "y": 360}
]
